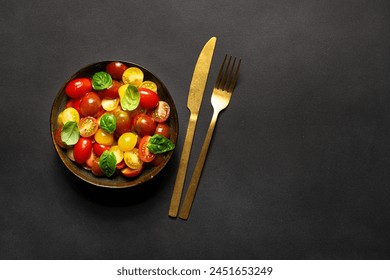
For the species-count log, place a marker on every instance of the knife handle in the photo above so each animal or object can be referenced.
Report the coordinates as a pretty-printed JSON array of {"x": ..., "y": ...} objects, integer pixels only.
[{"x": 181, "y": 174}]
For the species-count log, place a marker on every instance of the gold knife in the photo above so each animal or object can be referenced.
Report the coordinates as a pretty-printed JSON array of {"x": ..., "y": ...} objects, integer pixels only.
[{"x": 195, "y": 97}]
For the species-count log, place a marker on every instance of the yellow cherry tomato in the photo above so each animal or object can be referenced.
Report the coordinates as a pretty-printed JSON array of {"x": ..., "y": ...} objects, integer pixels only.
[
  {"x": 109, "y": 104},
  {"x": 117, "y": 152},
  {"x": 59, "y": 119},
  {"x": 133, "y": 75},
  {"x": 132, "y": 159},
  {"x": 122, "y": 90},
  {"x": 149, "y": 85},
  {"x": 103, "y": 137},
  {"x": 127, "y": 141},
  {"x": 70, "y": 114}
]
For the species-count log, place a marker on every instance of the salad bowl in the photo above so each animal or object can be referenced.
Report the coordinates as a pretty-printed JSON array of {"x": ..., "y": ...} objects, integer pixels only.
[{"x": 149, "y": 170}]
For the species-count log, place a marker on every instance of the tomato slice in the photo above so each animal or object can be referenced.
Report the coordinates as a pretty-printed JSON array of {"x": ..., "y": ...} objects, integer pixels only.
[
  {"x": 88, "y": 126},
  {"x": 132, "y": 159},
  {"x": 162, "y": 111},
  {"x": 144, "y": 154}
]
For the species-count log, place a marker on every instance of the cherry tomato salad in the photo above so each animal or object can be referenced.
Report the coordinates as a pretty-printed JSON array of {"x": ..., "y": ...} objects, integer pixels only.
[{"x": 114, "y": 122}]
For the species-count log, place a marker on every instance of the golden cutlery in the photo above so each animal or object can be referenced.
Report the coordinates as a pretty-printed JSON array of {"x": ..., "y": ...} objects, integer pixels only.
[
  {"x": 220, "y": 99},
  {"x": 195, "y": 97}
]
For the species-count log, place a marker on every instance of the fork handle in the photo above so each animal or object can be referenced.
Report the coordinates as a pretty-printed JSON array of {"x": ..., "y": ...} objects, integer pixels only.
[{"x": 191, "y": 191}]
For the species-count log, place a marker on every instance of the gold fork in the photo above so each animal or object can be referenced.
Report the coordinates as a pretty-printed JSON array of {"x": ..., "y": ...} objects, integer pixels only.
[{"x": 220, "y": 99}]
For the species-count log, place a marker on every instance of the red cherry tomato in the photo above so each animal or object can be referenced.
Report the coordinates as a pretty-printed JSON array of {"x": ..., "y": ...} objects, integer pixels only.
[
  {"x": 90, "y": 104},
  {"x": 130, "y": 173},
  {"x": 148, "y": 98},
  {"x": 161, "y": 113},
  {"x": 88, "y": 126},
  {"x": 95, "y": 168},
  {"x": 144, "y": 154},
  {"x": 163, "y": 129},
  {"x": 123, "y": 122},
  {"x": 78, "y": 87},
  {"x": 57, "y": 138},
  {"x": 144, "y": 125},
  {"x": 111, "y": 91},
  {"x": 116, "y": 69},
  {"x": 98, "y": 149},
  {"x": 82, "y": 150},
  {"x": 121, "y": 165}
]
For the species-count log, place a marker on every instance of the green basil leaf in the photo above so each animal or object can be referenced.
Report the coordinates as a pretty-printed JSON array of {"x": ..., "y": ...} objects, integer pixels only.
[
  {"x": 101, "y": 80},
  {"x": 70, "y": 133},
  {"x": 159, "y": 144},
  {"x": 130, "y": 99},
  {"x": 107, "y": 163},
  {"x": 108, "y": 123}
]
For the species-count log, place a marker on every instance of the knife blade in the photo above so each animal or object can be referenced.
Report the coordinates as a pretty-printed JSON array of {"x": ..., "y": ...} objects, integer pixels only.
[{"x": 195, "y": 96}]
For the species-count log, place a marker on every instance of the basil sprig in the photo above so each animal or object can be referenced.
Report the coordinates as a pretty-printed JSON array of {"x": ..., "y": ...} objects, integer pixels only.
[
  {"x": 108, "y": 123},
  {"x": 101, "y": 80},
  {"x": 70, "y": 133},
  {"x": 159, "y": 144},
  {"x": 130, "y": 99},
  {"x": 107, "y": 163}
]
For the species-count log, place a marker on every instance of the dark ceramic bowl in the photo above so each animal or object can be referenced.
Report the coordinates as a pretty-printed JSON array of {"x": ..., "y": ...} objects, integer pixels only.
[{"x": 117, "y": 181}]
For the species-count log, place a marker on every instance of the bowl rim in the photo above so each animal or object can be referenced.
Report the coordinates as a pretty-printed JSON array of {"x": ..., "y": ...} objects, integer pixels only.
[{"x": 87, "y": 175}]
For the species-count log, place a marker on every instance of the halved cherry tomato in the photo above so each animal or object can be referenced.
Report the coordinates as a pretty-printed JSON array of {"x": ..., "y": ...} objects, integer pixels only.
[
  {"x": 132, "y": 159},
  {"x": 144, "y": 125},
  {"x": 127, "y": 141},
  {"x": 90, "y": 104},
  {"x": 148, "y": 98},
  {"x": 111, "y": 91},
  {"x": 116, "y": 69},
  {"x": 103, "y": 137},
  {"x": 88, "y": 126},
  {"x": 110, "y": 104},
  {"x": 82, "y": 150},
  {"x": 143, "y": 151},
  {"x": 163, "y": 129},
  {"x": 150, "y": 85},
  {"x": 95, "y": 168},
  {"x": 57, "y": 138},
  {"x": 133, "y": 76},
  {"x": 91, "y": 159},
  {"x": 130, "y": 173},
  {"x": 70, "y": 114},
  {"x": 117, "y": 152},
  {"x": 123, "y": 122},
  {"x": 98, "y": 149},
  {"x": 121, "y": 165},
  {"x": 78, "y": 87},
  {"x": 161, "y": 113},
  {"x": 74, "y": 103}
]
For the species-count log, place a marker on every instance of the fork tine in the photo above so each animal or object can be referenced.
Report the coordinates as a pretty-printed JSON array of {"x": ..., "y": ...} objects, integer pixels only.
[
  {"x": 225, "y": 75},
  {"x": 234, "y": 79},
  {"x": 219, "y": 78},
  {"x": 230, "y": 78}
]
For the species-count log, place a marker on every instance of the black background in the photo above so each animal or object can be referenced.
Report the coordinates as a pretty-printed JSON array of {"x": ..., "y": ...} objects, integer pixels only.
[{"x": 299, "y": 164}]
